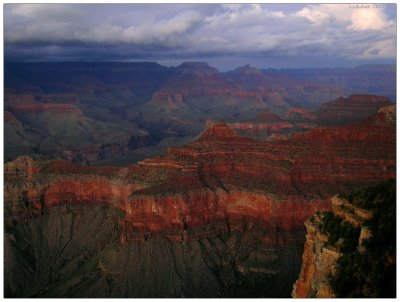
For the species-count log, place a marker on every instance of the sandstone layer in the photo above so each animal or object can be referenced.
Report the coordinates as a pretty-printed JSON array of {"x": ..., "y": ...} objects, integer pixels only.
[
  {"x": 220, "y": 185},
  {"x": 223, "y": 177}
]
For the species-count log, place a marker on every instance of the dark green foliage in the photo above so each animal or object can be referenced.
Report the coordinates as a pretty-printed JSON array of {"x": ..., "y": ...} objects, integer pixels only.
[
  {"x": 337, "y": 228},
  {"x": 373, "y": 197},
  {"x": 373, "y": 273}
]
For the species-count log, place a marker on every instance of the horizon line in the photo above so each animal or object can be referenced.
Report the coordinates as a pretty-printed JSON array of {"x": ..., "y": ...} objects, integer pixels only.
[{"x": 183, "y": 62}]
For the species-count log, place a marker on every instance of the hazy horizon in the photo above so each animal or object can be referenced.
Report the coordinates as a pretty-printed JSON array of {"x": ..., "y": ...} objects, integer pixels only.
[
  {"x": 211, "y": 65},
  {"x": 223, "y": 35}
]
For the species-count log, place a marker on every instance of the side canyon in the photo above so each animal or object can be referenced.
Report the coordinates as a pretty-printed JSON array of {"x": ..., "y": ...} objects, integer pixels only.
[{"x": 222, "y": 216}]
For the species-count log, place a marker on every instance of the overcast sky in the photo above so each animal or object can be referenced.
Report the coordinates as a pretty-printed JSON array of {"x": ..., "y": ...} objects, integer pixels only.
[{"x": 225, "y": 36}]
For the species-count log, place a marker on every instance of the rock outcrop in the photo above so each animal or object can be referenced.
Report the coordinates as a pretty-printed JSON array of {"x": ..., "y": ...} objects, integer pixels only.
[
  {"x": 222, "y": 216},
  {"x": 219, "y": 185},
  {"x": 170, "y": 103},
  {"x": 351, "y": 253},
  {"x": 318, "y": 263},
  {"x": 223, "y": 177}
]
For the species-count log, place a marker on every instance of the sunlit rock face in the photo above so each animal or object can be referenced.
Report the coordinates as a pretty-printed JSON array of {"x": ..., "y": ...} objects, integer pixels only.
[
  {"x": 224, "y": 213},
  {"x": 356, "y": 241}
]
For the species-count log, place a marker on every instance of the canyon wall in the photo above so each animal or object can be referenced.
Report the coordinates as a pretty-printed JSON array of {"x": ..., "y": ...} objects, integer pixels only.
[
  {"x": 215, "y": 195},
  {"x": 351, "y": 252},
  {"x": 221, "y": 177}
]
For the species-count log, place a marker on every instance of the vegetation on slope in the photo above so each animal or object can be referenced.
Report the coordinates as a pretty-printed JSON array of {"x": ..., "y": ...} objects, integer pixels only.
[
  {"x": 342, "y": 234},
  {"x": 371, "y": 273}
]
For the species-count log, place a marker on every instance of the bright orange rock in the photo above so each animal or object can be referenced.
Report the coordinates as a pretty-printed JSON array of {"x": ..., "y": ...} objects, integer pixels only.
[{"x": 221, "y": 179}]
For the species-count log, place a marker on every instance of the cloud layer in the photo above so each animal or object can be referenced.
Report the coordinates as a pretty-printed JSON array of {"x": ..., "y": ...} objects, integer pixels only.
[{"x": 180, "y": 31}]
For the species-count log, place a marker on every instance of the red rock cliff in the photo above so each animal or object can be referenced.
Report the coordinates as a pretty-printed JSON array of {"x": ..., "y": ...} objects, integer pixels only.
[{"x": 222, "y": 178}]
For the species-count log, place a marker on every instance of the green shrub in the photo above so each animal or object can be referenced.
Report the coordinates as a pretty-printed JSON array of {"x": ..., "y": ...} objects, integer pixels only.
[
  {"x": 372, "y": 273},
  {"x": 336, "y": 228}
]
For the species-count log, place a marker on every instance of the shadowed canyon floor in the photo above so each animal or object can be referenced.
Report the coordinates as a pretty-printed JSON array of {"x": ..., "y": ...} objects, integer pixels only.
[{"x": 220, "y": 217}]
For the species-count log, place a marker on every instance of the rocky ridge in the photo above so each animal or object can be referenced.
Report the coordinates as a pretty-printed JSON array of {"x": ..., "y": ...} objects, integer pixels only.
[
  {"x": 224, "y": 177},
  {"x": 320, "y": 257},
  {"x": 220, "y": 189},
  {"x": 351, "y": 253},
  {"x": 171, "y": 104}
]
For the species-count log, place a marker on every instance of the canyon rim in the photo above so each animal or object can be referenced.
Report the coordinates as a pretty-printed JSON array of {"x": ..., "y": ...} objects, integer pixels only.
[{"x": 199, "y": 151}]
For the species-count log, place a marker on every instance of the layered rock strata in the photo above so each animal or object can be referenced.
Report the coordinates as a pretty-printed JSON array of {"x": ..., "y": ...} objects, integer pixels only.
[
  {"x": 223, "y": 177},
  {"x": 232, "y": 207}
]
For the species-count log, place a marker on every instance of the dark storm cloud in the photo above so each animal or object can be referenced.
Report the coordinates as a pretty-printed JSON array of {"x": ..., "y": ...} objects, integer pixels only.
[{"x": 170, "y": 32}]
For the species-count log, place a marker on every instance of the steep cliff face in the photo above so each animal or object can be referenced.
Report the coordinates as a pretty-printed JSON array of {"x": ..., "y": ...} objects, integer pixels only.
[
  {"x": 222, "y": 177},
  {"x": 318, "y": 263},
  {"x": 206, "y": 207},
  {"x": 71, "y": 110},
  {"x": 322, "y": 252},
  {"x": 210, "y": 197},
  {"x": 264, "y": 130},
  {"x": 75, "y": 251},
  {"x": 351, "y": 253}
]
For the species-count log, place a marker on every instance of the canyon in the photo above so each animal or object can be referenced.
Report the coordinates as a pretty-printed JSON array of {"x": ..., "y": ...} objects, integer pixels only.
[
  {"x": 222, "y": 216},
  {"x": 204, "y": 150},
  {"x": 116, "y": 113},
  {"x": 140, "y": 180}
]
